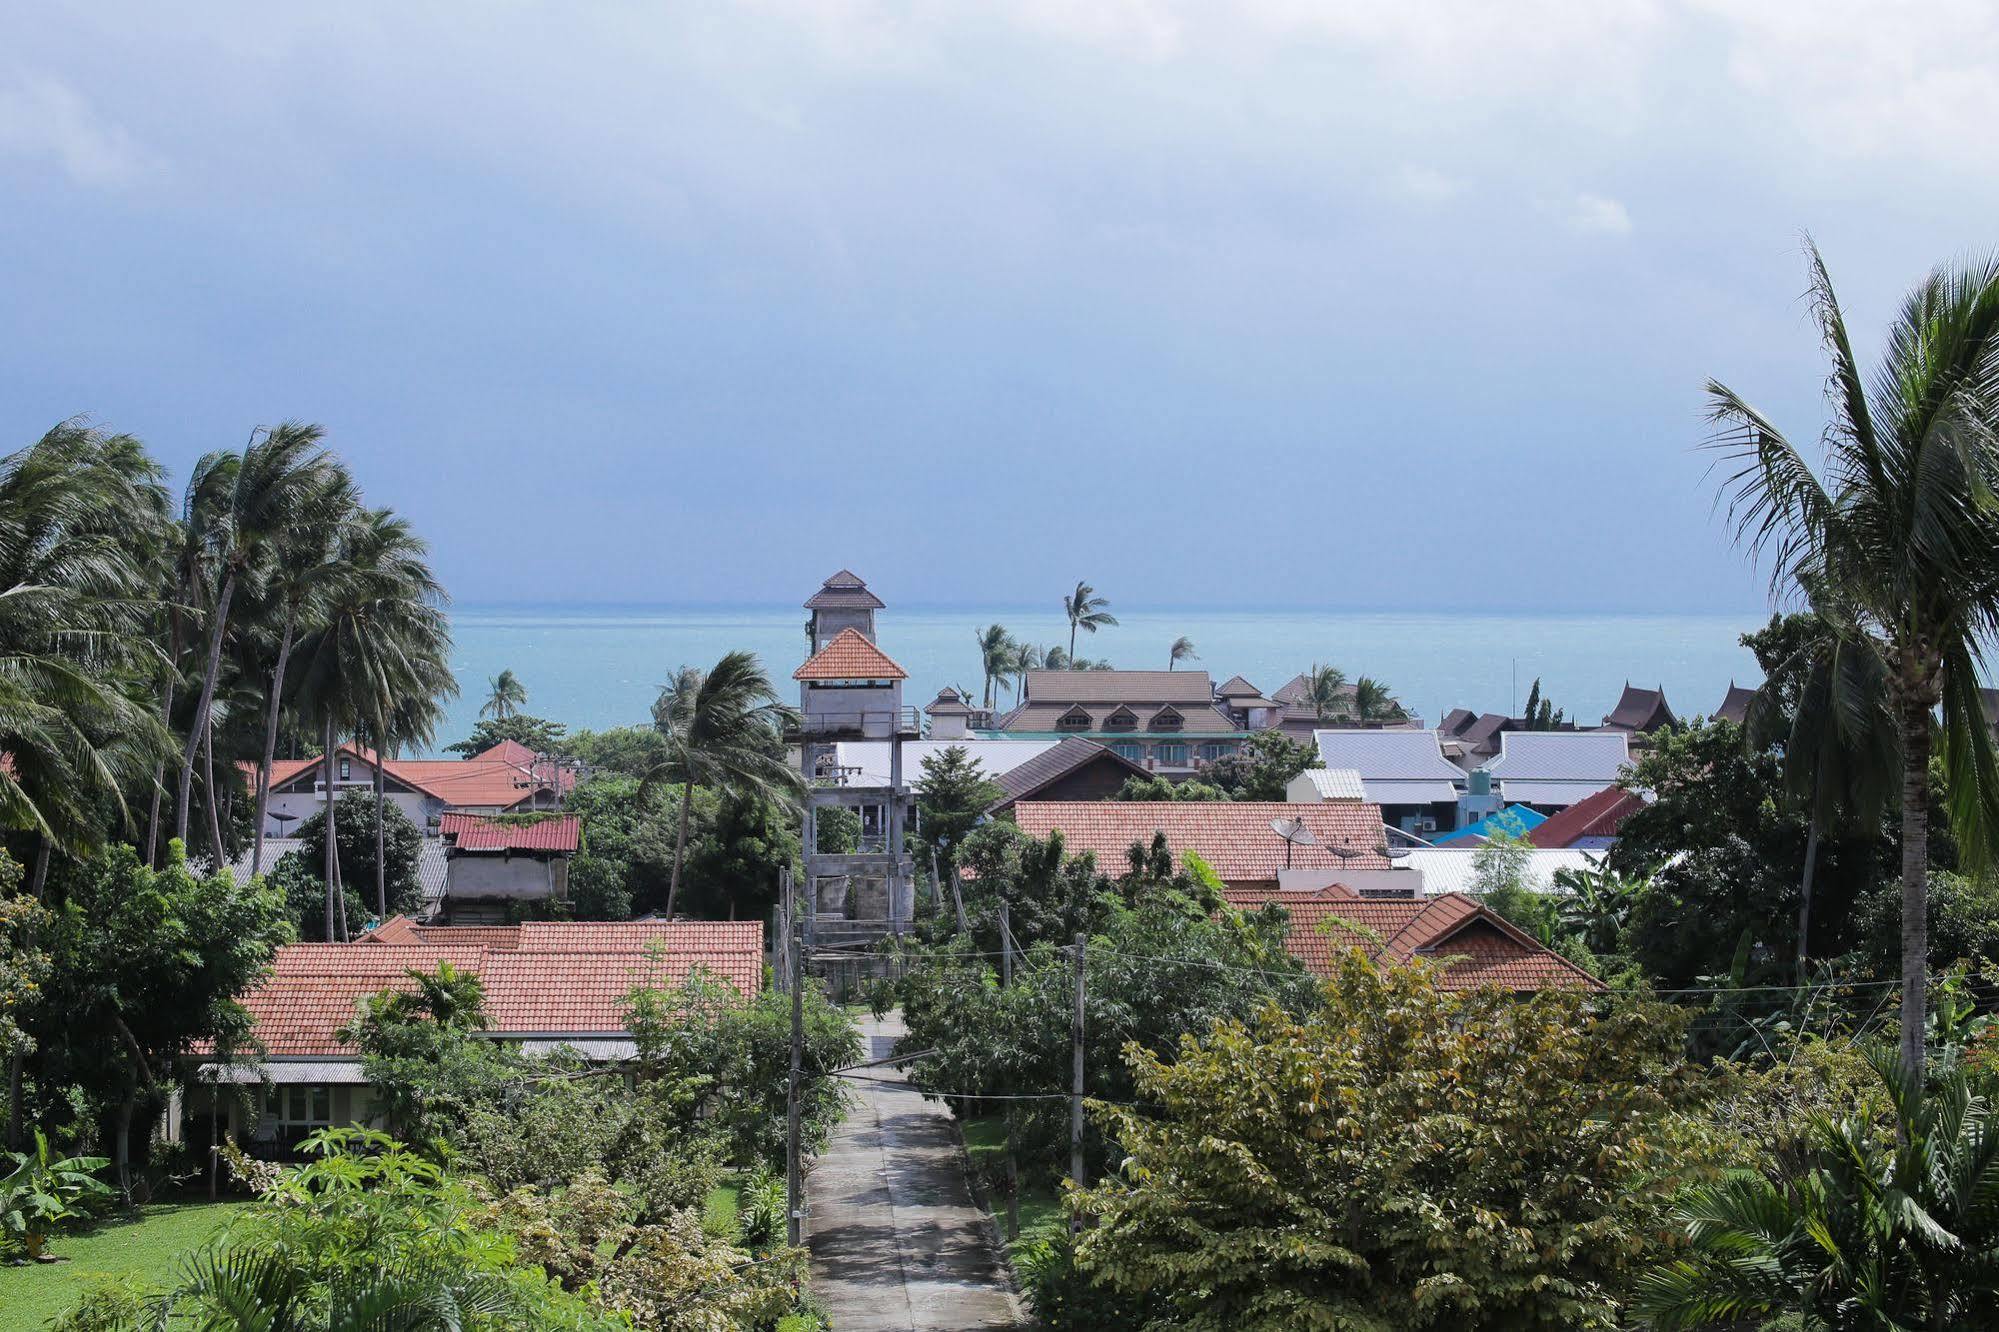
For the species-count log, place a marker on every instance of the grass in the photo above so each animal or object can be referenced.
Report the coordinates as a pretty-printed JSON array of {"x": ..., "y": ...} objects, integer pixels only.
[
  {"x": 1041, "y": 1215},
  {"x": 718, "y": 1212},
  {"x": 146, "y": 1246}
]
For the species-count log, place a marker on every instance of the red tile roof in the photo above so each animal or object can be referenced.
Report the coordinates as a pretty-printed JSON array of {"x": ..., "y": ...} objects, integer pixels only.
[
  {"x": 546, "y": 978},
  {"x": 1234, "y": 837},
  {"x": 1599, "y": 815},
  {"x": 557, "y": 832},
  {"x": 850, "y": 656},
  {"x": 497, "y": 778},
  {"x": 1477, "y": 946}
]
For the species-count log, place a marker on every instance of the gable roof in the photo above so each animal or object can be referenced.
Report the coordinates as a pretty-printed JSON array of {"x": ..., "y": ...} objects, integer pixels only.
[
  {"x": 1134, "y": 687},
  {"x": 1735, "y": 704},
  {"x": 1051, "y": 765},
  {"x": 1336, "y": 783},
  {"x": 1565, "y": 756},
  {"x": 1236, "y": 687},
  {"x": 499, "y": 777},
  {"x": 948, "y": 704},
  {"x": 1395, "y": 767},
  {"x": 843, "y": 591},
  {"x": 1234, "y": 837},
  {"x": 1456, "y": 720},
  {"x": 850, "y": 656},
  {"x": 1598, "y": 815},
  {"x": 1640, "y": 710},
  {"x": 1475, "y": 946},
  {"x": 541, "y": 979},
  {"x": 561, "y": 833}
]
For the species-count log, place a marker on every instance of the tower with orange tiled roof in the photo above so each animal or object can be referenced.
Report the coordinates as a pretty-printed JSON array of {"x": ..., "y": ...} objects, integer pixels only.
[{"x": 849, "y": 689}]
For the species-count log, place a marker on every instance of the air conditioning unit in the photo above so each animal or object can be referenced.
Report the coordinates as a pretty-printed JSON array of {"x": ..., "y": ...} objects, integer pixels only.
[{"x": 1426, "y": 825}]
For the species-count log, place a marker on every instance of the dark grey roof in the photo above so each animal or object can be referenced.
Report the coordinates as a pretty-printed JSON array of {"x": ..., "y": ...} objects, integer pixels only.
[
  {"x": 1050, "y": 766},
  {"x": 948, "y": 704},
  {"x": 1640, "y": 710},
  {"x": 1237, "y": 687},
  {"x": 844, "y": 591},
  {"x": 1735, "y": 706},
  {"x": 1456, "y": 720},
  {"x": 1484, "y": 732}
]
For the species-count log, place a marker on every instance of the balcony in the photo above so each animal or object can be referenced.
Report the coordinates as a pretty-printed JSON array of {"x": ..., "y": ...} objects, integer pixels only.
[{"x": 866, "y": 723}]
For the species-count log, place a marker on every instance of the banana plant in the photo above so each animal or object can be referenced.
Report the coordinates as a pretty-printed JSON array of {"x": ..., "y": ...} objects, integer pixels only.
[{"x": 41, "y": 1191}]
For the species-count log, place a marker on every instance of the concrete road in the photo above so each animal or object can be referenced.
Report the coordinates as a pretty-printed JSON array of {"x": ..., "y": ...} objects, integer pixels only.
[{"x": 897, "y": 1243}]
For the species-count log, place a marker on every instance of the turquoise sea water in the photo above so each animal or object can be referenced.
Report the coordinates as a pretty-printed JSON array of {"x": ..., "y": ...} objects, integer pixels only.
[{"x": 600, "y": 665}]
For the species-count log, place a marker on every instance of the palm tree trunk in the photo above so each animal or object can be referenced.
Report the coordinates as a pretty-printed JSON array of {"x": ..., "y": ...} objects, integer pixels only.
[
  {"x": 166, "y": 719},
  {"x": 270, "y": 744},
  {"x": 679, "y": 846},
  {"x": 1805, "y": 891},
  {"x": 381, "y": 840},
  {"x": 203, "y": 704},
  {"x": 1072, "y": 642},
  {"x": 214, "y": 805},
  {"x": 1915, "y": 876},
  {"x": 332, "y": 866}
]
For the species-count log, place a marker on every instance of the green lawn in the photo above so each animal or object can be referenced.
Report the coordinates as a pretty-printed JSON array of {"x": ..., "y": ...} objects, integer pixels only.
[
  {"x": 718, "y": 1213},
  {"x": 145, "y": 1246},
  {"x": 1040, "y": 1201}
]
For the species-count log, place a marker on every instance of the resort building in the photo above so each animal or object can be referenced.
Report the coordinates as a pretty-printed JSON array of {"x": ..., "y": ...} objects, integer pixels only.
[
  {"x": 1735, "y": 704},
  {"x": 1167, "y": 722},
  {"x": 492, "y": 866},
  {"x": 1244, "y": 842},
  {"x": 1640, "y": 711},
  {"x": 1590, "y": 824},
  {"x": 1246, "y": 705},
  {"x": 548, "y": 985},
  {"x": 1474, "y": 945},
  {"x": 1552, "y": 770},
  {"x": 867, "y": 762},
  {"x": 505, "y": 779},
  {"x": 1404, "y": 772}
]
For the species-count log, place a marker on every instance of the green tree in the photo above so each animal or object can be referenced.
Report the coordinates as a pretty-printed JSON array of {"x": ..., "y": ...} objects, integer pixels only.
[
  {"x": 1373, "y": 703},
  {"x": 952, "y": 797},
  {"x": 723, "y": 729},
  {"x": 1155, "y": 787},
  {"x": 1086, "y": 611},
  {"x": 1026, "y": 657},
  {"x": 1326, "y": 691},
  {"x": 1182, "y": 650},
  {"x": 535, "y": 733},
  {"x": 1875, "y": 1232},
  {"x": 363, "y": 833},
  {"x": 1901, "y": 530},
  {"x": 1402, "y": 1157},
  {"x": 1262, "y": 766},
  {"x": 505, "y": 698},
  {"x": 996, "y": 658}
]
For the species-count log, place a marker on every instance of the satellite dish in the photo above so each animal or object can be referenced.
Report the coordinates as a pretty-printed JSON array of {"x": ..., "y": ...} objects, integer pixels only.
[
  {"x": 1393, "y": 852},
  {"x": 1295, "y": 833},
  {"x": 1346, "y": 852}
]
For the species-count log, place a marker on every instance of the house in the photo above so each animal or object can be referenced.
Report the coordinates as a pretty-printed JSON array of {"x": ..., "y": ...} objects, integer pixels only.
[
  {"x": 1591, "y": 823},
  {"x": 1470, "y": 738},
  {"x": 1316, "y": 784},
  {"x": 547, "y": 985},
  {"x": 1168, "y": 722},
  {"x": 507, "y": 778},
  {"x": 1735, "y": 704},
  {"x": 1475, "y": 946},
  {"x": 1245, "y": 703},
  {"x": 493, "y": 864},
  {"x": 1640, "y": 711},
  {"x": 1074, "y": 769},
  {"x": 950, "y": 715},
  {"x": 1404, "y": 772},
  {"x": 1240, "y": 840},
  {"x": 1552, "y": 770}
]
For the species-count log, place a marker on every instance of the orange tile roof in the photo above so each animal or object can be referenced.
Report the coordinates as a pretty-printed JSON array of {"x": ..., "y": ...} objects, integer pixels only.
[
  {"x": 550, "y": 978},
  {"x": 850, "y": 656},
  {"x": 500, "y": 777},
  {"x": 1477, "y": 946},
  {"x": 557, "y": 832},
  {"x": 1233, "y": 836},
  {"x": 1599, "y": 815}
]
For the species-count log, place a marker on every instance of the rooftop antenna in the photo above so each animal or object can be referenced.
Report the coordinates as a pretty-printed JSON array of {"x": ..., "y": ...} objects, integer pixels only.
[{"x": 1295, "y": 833}]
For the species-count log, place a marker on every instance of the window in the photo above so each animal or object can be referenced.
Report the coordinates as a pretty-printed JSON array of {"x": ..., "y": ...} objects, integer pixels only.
[
  {"x": 1124, "y": 719},
  {"x": 1167, "y": 719},
  {"x": 1211, "y": 752},
  {"x": 344, "y": 774},
  {"x": 1170, "y": 755},
  {"x": 298, "y": 1106},
  {"x": 1075, "y": 719},
  {"x": 1125, "y": 749}
]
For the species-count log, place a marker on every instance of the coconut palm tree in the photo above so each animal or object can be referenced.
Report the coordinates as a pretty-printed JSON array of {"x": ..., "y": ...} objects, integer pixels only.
[
  {"x": 1901, "y": 526},
  {"x": 277, "y": 481},
  {"x": 1086, "y": 611},
  {"x": 1026, "y": 657},
  {"x": 995, "y": 656},
  {"x": 723, "y": 728},
  {"x": 1182, "y": 650},
  {"x": 507, "y": 698},
  {"x": 1325, "y": 688},
  {"x": 1372, "y": 701}
]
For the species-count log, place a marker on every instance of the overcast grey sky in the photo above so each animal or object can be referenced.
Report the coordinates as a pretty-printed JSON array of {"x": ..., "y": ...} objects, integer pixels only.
[{"x": 1271, "y": 302}]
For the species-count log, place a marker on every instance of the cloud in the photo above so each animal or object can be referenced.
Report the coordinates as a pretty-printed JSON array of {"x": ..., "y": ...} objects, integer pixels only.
[
  {"x": 1594, "y": 215},
  {"x": 41, "y": 117},
  {"x": 1424, "y": 185}
]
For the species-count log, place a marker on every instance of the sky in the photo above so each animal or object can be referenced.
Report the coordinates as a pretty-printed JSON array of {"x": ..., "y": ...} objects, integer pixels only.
[{"x": 1397, "y": 304}]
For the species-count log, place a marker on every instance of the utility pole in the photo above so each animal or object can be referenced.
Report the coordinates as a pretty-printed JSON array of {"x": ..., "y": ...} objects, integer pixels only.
[
  {"x": 794, "y": 1177},
  {"x": 1076, "y": 1087},
  {"x": 1012, "y": 1133},
  {"x": 957, "y": 898}
]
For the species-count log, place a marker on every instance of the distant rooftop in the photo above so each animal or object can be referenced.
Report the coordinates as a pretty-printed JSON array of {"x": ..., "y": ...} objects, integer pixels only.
[{"x": 843, "y": 591}]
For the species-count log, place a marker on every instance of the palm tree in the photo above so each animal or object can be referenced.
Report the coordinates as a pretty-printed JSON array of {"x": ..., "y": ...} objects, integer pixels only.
[
  {"x": 1596, "y": 902},
  {"x": 1182, "y": 650},
  {"x": 1324, "y": 689},
  {"x": 1372, "y": 701},
  {"x": 1902, "y": 528},
  {"x": 507, "y": 698},
  {"x": 1838, "y": 740},
  {"x": 1026, "y": 657},
  {"x": 723, "y": 728},
  {"x": 1870, "y": 1234},
  {"x": 995, "y": 656},
  {"x": 280, "y": 476},
  {"x": 1086, "y": 611}
]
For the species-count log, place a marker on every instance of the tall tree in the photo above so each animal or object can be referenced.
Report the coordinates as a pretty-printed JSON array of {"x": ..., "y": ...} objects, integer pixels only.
[
  {"x": 1026, "y": 657},
  {"x": 1372, "y": 701},
  {"x": 1182, "y": 650},
  {"x": 1325, "y": 687},
  {"x": 507, "y": 696},
  {"x": 722, "y": 728},
  {"x": 995, "y": 657},
  {"x": 278, "y": 479},
  {"x": 1901, "y": 525},
  {"x": 187, "y": 559},
  {"x": 1086, "y": 611}
]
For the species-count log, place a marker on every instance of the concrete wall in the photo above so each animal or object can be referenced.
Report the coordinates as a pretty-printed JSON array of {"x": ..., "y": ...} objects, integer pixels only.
[
  {"x": 302, "y": 805},
  {"x": 870, "y": 711},
  {"x": 470, "y": 874}
]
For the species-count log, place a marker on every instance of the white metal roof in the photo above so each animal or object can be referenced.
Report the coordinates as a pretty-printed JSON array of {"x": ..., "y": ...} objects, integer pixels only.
[
  {"x": 1527, "y": 791},
  {"x": 1336, "y": 783},
  {"x": 1392, "y": 755},
  {"x": 1383, "y": 792},
  {"x": 871, "y": 757},
  {"x": 1451, "y": 870},
  {"x": 347, "y": 1072},
  {"x": 1562, "y": 756}
]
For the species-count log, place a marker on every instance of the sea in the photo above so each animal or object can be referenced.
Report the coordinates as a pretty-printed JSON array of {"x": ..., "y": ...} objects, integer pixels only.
[{"x": 597, "y": 666}]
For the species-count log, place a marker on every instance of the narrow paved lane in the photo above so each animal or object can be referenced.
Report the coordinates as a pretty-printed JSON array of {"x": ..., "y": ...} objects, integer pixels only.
[{"x": 897, "y": 1243}]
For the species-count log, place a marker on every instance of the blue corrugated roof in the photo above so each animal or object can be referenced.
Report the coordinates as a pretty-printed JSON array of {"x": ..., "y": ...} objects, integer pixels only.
[{"x": 1514, "y": 820}]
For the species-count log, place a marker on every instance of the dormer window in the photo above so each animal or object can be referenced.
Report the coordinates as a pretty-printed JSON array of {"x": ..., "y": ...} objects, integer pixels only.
[
  {"x": 1075, "y": 719},
  {"x": 1124, "y": 719},
  {"x": 1167, "y": 719}
]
